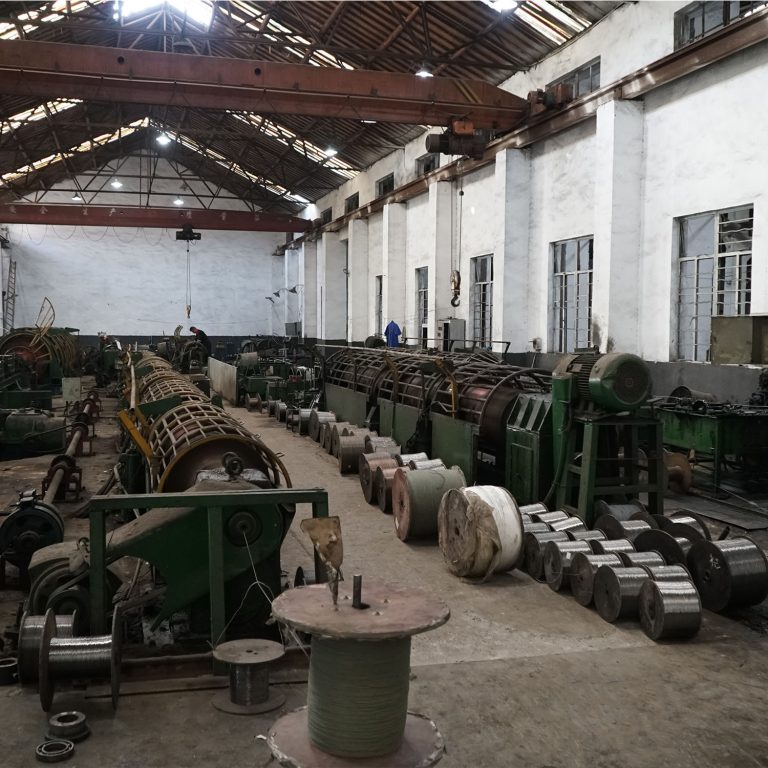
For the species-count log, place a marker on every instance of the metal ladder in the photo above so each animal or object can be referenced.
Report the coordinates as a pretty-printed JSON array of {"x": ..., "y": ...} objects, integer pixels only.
[{"x": 10, "y": 298}]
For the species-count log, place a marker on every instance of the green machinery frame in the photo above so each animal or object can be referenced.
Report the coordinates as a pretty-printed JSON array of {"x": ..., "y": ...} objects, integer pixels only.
[{"x": 215, "y": 504}]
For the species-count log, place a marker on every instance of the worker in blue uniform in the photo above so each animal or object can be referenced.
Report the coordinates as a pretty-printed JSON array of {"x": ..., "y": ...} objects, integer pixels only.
[{"x": 392, "y": 333}]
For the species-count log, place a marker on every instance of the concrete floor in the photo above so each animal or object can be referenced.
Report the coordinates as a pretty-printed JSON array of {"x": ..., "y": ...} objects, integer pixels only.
[{"x": 520, "y": 676}]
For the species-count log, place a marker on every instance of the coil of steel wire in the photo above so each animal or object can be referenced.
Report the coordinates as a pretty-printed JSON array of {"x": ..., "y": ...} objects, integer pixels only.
[
  {"x": 374, "y": 444},
  {"x": 549, "y": 517},
  {"x": 637, "y": 559},
  {"x": 609, "y": 546},
  {"x": 667, "y": 572},
  {"x": 569, "y": 524},
  {"x": 618, "y": 511},
  {"x": 404, "y": 459},
  {"x": 558, "y": 556},
  {"x": 583, "y": 570},
  {"x": 533, "y": 551},
  {"x": 673, "y": 550},
  {"x": 337, "y": 430},
  {"x": 692, "y": 521},
  {"x": 533, "y": 509},
  {"x": 316, "y": 418},
  {"x": 426, "y": 464},
  {"x": 614, "y": 528},
  {"x": 617, "y": 591},
  {"x": 351, "y": 448},
  {"x": 729, "y": 573},
  {"x": 367, "y": 468},
  {"x": 669, "y": 609},
  {"x": 584, "y": 534},
  {"x": 30, "y": 636},
  {"x": 531, "y": 527}
]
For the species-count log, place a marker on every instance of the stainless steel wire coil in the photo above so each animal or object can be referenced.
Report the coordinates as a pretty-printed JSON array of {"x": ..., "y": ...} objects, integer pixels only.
[
  {"x": 426, "y": 464},
  {"x": 609, "y": 546},
  {"x": 351, "y": 448},
  {"x": 583, "y": 570},
  {"x": 569, "y": 524},
  {"x": 558, "y": 556},
  {"x": 405, "y": 458},
  {"x": 687, "y": 518},
  {"x": 729, "y": 573},
  {"x": 621, "y": 529},
  {"x": 30, "y": 636},
  {"x": 584, "y": 534},
  {"x": 617, "y": 591},
  {"x": 531, "y": 527},
  {"x": 619, "y": 511},
  {"x": 637, "y": 559},
  {"x": 673, "y": 550},
  {"x": 533, "y": 551},
  {"x": 548, "y": 517},
  {"x": 667, "y": 572},
  {"x": 367, "y": 469},
  {"x": 669, "y": 610},
  {"x": 533, "y": 509}
]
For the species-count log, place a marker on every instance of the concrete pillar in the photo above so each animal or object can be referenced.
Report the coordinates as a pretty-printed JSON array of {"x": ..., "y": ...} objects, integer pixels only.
[
  {"x": 276, "y": 315},
  {"x": 394, "y": 239},
  {"x": 357, "y": 300},
  {"x": 760, "y": 265},
  {"x": 290, "y": 301},
  {"x": 618, "y": 226},
  {"x": 309, "y": 292},
  {"x": 511, "y": 269},
  {"x": 440, "y": 219},
  {"x": 332, "y": 287}
]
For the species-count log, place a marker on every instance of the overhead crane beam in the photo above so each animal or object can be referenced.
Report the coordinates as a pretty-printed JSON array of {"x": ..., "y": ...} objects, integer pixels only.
[
  {"x": 93, "y": 73},
  {"x": 162, "y": 218}
]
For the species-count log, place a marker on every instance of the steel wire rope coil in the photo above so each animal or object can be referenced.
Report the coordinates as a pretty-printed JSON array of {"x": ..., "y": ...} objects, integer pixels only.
[
  {"x": 584, "y": 534},
  {"x": 282, "y": 411},
  {"x": 351, "y": 448},
  {"x": 367, "y": 468},
  {"x": 327, "y": 443},
  {"x": 621, "y": 529},
  {"x": 569, "y": 524},
  {"x": 480, "y": 531},
  {"x": 673, "y": 550},
  {"x": 337, "y": 431},
  {"x": 404, "y": 459},
  {"x": 617, "y": 591},
  {"x": 549, "y": 517},
  {"x": 30, "y": 636},
  {"x": 729, "y": 573},
  {"x": 636, "y": 559},
  {"x": 416, "y": 498},
  {"x": 619, "y": 511},
  {"x": 558, "y": 556},
  {"x": 533, "y": 551},
  {"x": 583, "y": 570},
  {"x": 373, "y": 443},
  {"x": 316, "y": 418},
  {"x": 669, "y": 610},
  {"x": 609, "y": 546},
  {"x": 384, "y": 478},
  {"x": 194, "y": 436},
  {"x": 427, "y": 464}
]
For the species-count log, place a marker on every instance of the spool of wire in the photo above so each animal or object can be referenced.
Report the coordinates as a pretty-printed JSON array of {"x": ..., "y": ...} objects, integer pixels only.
[
  {"x": 535, "y": 527},
  {"x": 533, "y": 551},
  {"x": 384, "y": 479},
  {"x": 351, "y": 448},
  {"x": 618, "y": 511},
  {"x": 617, "y": 591},
  {"x": 332, "y": 441},
  {"x": 367, "y": 468},
  {"x": 426, "y": 464},
  {"x": 668, "y": 572},
  {"x": 569, "y": 524},
  {"x": 608, "y": 546},
  {"x": 583, "y": 570},
  {"x": 729, "y": 573},
  {"x": 669, "y": 609},
  {"x": 30, "y": 637},
  {"x": 584, "y": 534},
  {"x": 671, "y": 549},
  {"x": 77, "y": 658},
  {"x": 404, "y": 459},
  {"x": 533, "y": 509},
  {"x": 317, "y": 419},
  {"x": 558, "y": 556},
  {"x": 695, "y": 528},
  {"x": 548, "y": 517},
  {"x": 637, "y": 559},
  {"x": 621, "y": 529},
  {"x": 357, "y": 702}
]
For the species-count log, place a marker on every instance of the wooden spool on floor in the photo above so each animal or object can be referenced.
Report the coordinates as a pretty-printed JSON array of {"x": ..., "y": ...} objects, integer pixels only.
[{"x": 367, "y": 468}]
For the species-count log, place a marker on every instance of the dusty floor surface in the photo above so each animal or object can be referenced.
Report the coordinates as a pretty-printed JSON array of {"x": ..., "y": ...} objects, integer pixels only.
[{"x": 519, "y": 677}]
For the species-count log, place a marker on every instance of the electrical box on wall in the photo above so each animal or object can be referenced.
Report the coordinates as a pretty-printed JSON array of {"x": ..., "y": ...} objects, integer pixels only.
[
  {"x": 293, "y": 329},
  {"x": 451, "y": 329},
  {"x": 740, "y": 339}
]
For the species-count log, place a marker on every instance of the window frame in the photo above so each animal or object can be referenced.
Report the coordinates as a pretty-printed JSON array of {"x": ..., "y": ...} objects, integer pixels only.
[
  {"x": 575, "y": 75},
  {"x": 683, "y": 17},
  {"x": 424, "y": 160},
  {"x": 481, "y": 300},
  {"x": 352, "y": 203},
  {"x": 385, "y": 185},
  {"x": 326, "y": 216},
  {"x": 563, "y": 326}
]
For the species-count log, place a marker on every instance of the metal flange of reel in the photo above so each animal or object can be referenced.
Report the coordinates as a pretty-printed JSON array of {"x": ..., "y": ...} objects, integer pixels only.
[{"x": 31, "y": 525}]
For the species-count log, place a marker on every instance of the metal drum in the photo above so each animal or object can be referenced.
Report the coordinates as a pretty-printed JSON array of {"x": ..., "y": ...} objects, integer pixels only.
[
  {"x": 39, "y": 348},
  {"x": 367, "y": 469}
]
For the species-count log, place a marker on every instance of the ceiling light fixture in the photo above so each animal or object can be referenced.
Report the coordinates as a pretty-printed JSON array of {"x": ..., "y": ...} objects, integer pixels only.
[
  {"x": 424, "y": 71},
  {"x": 368, "y": 122},
  {"x": 115, "y": 183},
  {"x": 179, "y": 200},
  {"x": 504, "y": 5},
  {"x": 76, "y": 197},
  {"x": 163, "y": 139},
  {"x": 331, "y": 152}
]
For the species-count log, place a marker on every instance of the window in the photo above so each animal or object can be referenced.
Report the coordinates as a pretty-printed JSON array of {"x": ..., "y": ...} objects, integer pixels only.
[
  {"x": 482, "y": 299},
  {"x": 352, "y": 203},
  {"x": 699, "y": 19},
  {"x": 584, "y": 80},
  {"x": 326, "y": 216},
  {"x": 379, "y": 305},
  {"x": 427, "y": 163},
  {"x": 386, "y": 185},
  {"x": 571, "y": 326},
  {"x": 715, "y": 275}
]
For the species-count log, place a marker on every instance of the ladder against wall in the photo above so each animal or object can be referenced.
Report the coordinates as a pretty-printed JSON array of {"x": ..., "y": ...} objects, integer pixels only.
[{"x": 9, "y": 309}]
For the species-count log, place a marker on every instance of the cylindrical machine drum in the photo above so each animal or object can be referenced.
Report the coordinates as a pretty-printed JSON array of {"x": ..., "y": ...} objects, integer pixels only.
[
  {"x": 367, "y": 468},
  {"x": 583, "y": 570},
  {"x": 533, "y": 551},
  {"x": 416, "y": 498},
  {"x": 669, "y": 610},
  {"x": 729, "y": 573},
  {"x": 610, "y": 546},
  {"x": 480, "y": 531},
  {"x": 674, "y": 551},
  {"x": 558, "y": 556},
  {"x": 617, "y": 591}
]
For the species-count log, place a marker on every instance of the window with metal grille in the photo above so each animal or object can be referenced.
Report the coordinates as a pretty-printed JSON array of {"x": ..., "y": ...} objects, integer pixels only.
[
  {"x": 715, "y": 252},
  {"x": 385, "y": 185},
  {"x": 352, "y": 203},
  {"x": 482, "y": 299},
  {"x": 571, "y": 325},
  {"x": 698, "y": 19},
  {"x": 427, "y": 163},
  {"x": 326, "y": 216},
  {"x": 379, "y": 305},
  {"x": 422, "y": 302},
  {"x": 584, "y": 80}
]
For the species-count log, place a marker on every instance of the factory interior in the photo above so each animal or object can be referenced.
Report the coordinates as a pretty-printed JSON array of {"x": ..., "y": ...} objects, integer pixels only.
[{"x": 383, "y": 383}]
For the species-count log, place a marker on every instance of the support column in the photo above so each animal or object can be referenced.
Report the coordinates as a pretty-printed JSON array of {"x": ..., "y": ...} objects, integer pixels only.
[
  {"x": 618, "y": 226},
  {"x": 441, "y": 223},
  {"x": 512, "y": 271},
  {"x": 394, "y": 239},
  {"x": 276, "y": 312},
  {"x": 357, "y": 300},
  {"x": 331, "y": 287},
  {"x": 309, "y": 292},
  {"x": 290, "y": 279}
]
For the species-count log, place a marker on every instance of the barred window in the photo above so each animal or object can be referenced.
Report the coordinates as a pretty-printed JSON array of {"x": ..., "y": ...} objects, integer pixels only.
[
  {"x": 571, "y": 325},
  {"x": 482, "y": 299}
]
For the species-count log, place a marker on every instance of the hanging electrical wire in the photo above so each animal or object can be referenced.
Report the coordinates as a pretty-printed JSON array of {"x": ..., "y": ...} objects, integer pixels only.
[{"x": 189, "y": 282}]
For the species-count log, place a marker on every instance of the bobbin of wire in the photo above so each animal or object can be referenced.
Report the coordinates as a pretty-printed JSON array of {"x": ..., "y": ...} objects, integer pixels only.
[
  {"x": 78, "y": 658},
  {"x": 249, "y": 692},
  {"x": 30, "y": 635},
  {"x": 357, "y": 703},
  {"x": 669, "y": 609}
]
